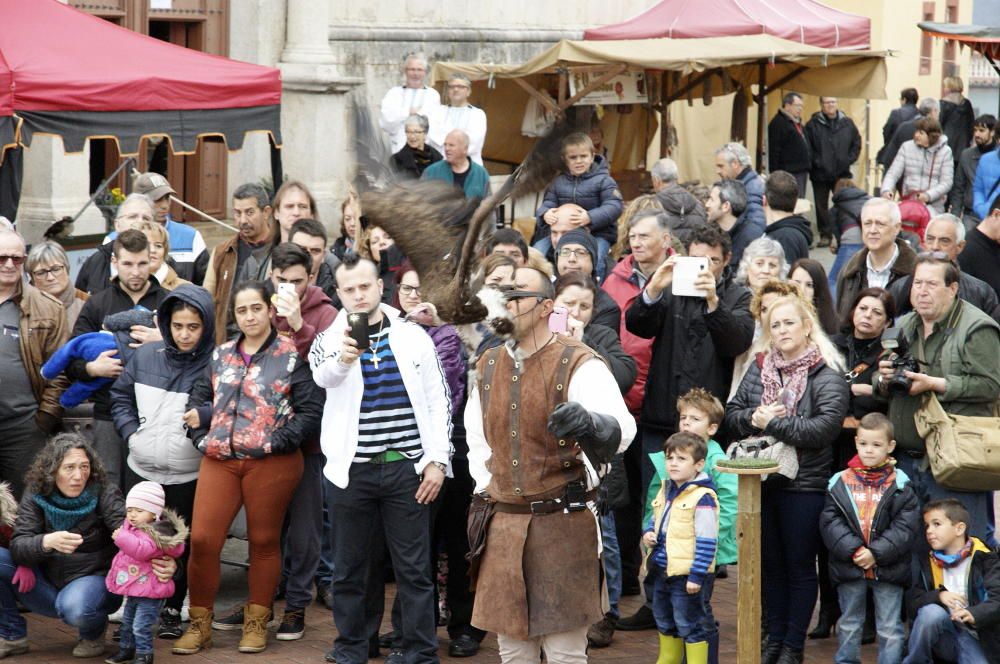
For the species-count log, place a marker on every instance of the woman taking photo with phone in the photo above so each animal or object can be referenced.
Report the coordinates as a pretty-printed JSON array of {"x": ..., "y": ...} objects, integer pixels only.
[{"x": 258, "y": 403}]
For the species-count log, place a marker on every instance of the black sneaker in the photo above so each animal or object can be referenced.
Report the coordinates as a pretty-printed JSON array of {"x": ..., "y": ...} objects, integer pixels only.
[
  {"x": 293, "y": 625},
  {"x": 395, "y": 656},
  {"x": 123, "y": 656},
  {"x": 170, "y": 624},
  {"x": 234, "y": 621}
]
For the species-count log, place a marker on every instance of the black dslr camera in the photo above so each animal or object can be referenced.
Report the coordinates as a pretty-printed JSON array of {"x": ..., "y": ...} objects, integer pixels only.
[{"x": 896, "y": 350}]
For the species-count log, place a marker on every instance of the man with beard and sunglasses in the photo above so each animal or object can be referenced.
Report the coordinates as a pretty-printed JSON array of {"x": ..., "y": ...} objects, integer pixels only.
[{"x": 542, "y": 426}]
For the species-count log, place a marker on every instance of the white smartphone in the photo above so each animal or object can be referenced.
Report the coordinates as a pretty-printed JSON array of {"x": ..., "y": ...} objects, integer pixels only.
[
  {"x": 286, "y": 288},
  {"x": 686, "y": 270}
]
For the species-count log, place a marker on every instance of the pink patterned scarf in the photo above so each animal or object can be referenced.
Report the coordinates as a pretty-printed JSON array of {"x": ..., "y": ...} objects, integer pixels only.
[{"x": 779, "y": 374}]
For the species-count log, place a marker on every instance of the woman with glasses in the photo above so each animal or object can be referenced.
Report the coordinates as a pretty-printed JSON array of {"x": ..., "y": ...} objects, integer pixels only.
[
  {"x": 48, "y": 271},
  {"x": 416, "y": 155}
]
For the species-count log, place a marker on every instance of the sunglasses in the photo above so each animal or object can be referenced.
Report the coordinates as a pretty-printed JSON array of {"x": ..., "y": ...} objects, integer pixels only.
[
  {"x": 522, "y": 294},
  {"x": 16, "y": 260}
]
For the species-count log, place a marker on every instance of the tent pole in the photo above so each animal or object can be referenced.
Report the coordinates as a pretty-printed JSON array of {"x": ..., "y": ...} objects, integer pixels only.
[
  {"x": 104, "y": 185},
  {"x": 992, "y": 62},
  {"x": 761, "y": 112}
]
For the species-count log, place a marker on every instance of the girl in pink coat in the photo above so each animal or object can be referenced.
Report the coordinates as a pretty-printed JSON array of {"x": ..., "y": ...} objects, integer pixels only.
[{"x": 150, "y": 531}]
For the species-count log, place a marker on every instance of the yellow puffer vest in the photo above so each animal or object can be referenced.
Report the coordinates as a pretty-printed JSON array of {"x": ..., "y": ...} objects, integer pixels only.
[{"x": 680, "y": 527}]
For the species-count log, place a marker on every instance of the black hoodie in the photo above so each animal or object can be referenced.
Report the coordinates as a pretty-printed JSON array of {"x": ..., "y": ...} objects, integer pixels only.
[{"x": 793, "y": 234}]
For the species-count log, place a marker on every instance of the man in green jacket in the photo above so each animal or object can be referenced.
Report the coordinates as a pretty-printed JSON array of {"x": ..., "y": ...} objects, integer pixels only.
[
  {"x": 958, "y": 350},
  {"x": 458, "y": 169}
]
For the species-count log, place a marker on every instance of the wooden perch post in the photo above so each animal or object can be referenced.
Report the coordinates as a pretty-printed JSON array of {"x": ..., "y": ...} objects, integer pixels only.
[{"x": 748, "y": 593}]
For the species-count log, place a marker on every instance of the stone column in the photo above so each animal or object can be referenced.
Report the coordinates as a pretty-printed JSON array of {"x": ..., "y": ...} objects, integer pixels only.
[
  {"x": 55, "y": 185},
  {"x": 315, "y": 121}
]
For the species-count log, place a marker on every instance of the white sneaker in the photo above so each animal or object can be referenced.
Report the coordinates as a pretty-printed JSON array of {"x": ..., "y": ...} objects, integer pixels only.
[
  {"x": 116, "y": 617},
  {"x": 185, "y": 616}
]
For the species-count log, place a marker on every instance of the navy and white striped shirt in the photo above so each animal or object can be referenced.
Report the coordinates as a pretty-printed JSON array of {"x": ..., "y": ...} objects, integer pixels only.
[{"x": 386, "y": 420}]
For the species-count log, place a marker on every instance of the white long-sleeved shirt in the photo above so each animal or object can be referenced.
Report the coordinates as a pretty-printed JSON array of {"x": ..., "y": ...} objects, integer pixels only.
[
  {"x": 591, "y": 385},
  {"x": 422, "y": 376},
  {"x": 468, "y": 118},
  {"x": 395, "y": 108}
]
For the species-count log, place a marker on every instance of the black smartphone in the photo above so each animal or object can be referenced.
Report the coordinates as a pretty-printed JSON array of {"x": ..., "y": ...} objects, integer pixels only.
[{"x": 359, "y": 329}]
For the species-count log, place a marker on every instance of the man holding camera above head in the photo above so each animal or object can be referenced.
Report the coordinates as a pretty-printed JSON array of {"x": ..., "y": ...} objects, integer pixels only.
[
  {"x": 954, "y": 350},
  {"x": 387, "y": 439}
]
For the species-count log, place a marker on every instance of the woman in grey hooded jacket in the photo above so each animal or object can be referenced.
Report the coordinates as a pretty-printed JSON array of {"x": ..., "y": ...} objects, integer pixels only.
[{"x": 148, "y": 402}]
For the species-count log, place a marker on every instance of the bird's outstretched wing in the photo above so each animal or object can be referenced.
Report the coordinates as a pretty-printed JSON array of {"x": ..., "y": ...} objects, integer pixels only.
[{"x": 441, "y": 231}]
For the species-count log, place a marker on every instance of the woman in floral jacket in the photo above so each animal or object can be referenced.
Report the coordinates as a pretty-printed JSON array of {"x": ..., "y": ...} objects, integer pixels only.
[{"x": 258, "y": 404}]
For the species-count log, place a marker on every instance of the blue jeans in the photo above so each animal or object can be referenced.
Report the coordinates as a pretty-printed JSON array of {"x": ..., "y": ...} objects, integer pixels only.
[
  {"x": 977, "y": 502},
  {"x": 790, "y": 541},
  {"x": 603, "y": 247},
  {"x": 612, "y": 562},
  {"x": 891, "y": 636},
  {"x": 934, "y": 633},
  {"x": 383, "y": 495},
  {"x": 844, "y": 254},
  {"x": 83, "y": 603},
  {"x": 138, "y": 622},
  {"x": 679, "y": 613}
]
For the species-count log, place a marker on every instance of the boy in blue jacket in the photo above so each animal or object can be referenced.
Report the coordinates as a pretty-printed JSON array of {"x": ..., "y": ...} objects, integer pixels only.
[
  {"x": 682, "y": 537},
  {"x": 869, "y": 523},
  {"x": 588, "y": 184}
]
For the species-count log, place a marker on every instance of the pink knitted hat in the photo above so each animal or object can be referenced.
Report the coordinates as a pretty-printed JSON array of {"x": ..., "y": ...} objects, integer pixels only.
[{"x": 146, "y": 496}]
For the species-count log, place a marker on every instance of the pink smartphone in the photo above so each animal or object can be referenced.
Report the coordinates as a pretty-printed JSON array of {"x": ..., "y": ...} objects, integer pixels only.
[{"x": 558, "y": 320}]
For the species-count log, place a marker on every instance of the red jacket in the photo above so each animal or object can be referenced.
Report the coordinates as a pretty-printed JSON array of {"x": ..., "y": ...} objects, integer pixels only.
[{"x": 623, "y": 286}]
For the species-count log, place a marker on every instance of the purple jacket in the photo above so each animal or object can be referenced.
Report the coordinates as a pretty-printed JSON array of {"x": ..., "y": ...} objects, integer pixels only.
[
  {"x": 452, "y": 357},
  {"x": 131, "y": 572}
]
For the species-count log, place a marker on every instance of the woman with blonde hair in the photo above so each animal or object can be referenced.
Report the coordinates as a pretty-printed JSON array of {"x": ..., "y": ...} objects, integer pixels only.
[
  {"x": 159, "y": 249},
  {"x": 350, "y": 224},
  {"x": 957, "y": 116},
  {"x": 794, "y": 392}
]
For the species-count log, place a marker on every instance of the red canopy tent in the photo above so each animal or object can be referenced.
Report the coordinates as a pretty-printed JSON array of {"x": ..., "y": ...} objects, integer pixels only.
[
  {"x": 804, "y": 21},
  {"x": 69, "y": 73}
]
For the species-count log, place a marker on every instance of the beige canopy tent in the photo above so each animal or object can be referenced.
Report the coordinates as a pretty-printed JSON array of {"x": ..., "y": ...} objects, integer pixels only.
[{"x": 675, "y": 69}]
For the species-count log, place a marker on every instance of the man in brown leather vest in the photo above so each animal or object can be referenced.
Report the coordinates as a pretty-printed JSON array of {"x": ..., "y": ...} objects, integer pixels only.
[{"x": 542, "y": 427}]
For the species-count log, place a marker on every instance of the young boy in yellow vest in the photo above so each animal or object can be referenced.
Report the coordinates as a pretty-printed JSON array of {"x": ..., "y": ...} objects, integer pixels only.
[{"x": 682, "y": 537}]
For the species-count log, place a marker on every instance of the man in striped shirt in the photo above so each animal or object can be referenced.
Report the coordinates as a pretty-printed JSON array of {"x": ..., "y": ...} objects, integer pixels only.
[{"x": 386, "y": 436}]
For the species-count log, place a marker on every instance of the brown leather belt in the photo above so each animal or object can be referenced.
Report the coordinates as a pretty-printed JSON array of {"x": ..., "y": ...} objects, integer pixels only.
[{"x": 540, "y": 507}]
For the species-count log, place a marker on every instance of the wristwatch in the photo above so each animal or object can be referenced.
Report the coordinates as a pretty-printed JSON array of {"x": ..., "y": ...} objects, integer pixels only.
[{"x": 440, "y": 466}]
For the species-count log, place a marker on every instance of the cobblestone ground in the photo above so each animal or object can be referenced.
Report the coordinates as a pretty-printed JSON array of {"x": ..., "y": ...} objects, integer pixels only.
[{"x": 51, "y": 641}]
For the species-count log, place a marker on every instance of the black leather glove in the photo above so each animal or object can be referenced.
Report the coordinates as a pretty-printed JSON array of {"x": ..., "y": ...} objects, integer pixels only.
[
  {"x": 570, "y": 420},
  {"x": 598, "y": 435}
]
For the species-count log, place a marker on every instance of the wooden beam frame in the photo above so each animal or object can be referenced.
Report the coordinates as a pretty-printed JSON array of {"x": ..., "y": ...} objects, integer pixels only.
[
  {"x": 590, "y": 87},
  {"x": 544, "y": 100},
  {"x": 693, "y": 82}
]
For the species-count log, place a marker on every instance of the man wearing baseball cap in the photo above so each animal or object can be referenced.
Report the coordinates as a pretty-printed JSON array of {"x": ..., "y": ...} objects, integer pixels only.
[{"x": 187, "y": 247}]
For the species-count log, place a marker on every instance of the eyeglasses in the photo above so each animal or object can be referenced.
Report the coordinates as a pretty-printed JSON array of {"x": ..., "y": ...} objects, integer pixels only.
[
  {"x": 415, "y": 132},
  {"x": 16, "y": 260},
  {"x": 458, "y": 86},
  {"x": 53, "y": 272},
  {"x": 405, "y": 289},
  {"x": 566, "y": 252}
]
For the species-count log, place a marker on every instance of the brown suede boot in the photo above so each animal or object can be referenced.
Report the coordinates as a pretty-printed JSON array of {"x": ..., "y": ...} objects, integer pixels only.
[
  {"x": 198, "y": 636},
  {"x": 255, "y": 619}
]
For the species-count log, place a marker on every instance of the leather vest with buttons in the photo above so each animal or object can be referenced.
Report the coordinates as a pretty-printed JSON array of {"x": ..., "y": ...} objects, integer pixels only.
[{"x": 528, "y": 463}]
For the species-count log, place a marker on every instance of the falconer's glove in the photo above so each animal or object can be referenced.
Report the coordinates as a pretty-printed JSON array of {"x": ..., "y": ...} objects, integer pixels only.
[{"x": 597, "y": 435}]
